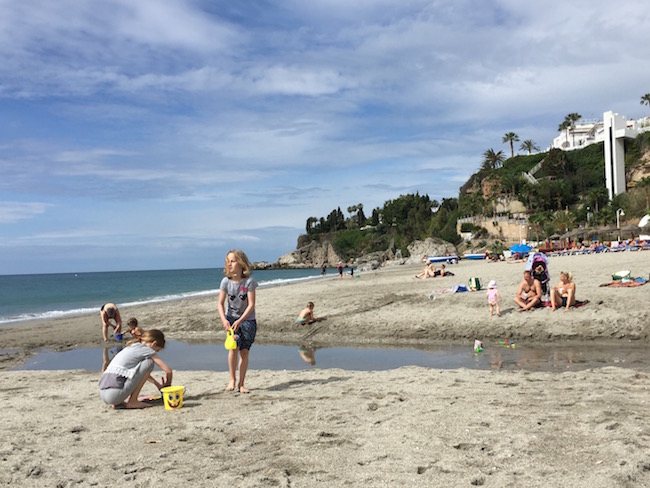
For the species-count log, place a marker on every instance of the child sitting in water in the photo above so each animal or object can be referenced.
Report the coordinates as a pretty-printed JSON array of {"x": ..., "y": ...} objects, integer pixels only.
[
  {"x": 493, "y": 298},
  {"x": 134, "y": 329},
  {"x": 306, "y": 315}
]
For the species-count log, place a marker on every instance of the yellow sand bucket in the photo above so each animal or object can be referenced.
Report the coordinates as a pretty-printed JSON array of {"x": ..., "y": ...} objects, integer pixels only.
[{"x": 173, "y": 397}]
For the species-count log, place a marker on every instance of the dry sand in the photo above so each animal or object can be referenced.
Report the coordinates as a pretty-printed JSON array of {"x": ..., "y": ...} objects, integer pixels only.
[{"x": 406, "y": 427}]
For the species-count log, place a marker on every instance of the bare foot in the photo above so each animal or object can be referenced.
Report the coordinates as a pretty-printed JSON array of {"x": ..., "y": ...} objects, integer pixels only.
[
  {"x": 231, "y": 386},
  {"x": 243, "y": 390}
]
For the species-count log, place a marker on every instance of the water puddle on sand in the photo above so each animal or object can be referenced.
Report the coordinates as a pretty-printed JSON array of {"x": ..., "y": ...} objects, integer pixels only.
[{"x": 212, "y": 357}]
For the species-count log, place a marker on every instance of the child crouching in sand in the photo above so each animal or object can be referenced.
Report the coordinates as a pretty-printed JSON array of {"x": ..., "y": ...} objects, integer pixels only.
[
  {"x": 129, "y": 370},
  {"x": 306, "y": 315},
  {"x": 493, "y": 298}
]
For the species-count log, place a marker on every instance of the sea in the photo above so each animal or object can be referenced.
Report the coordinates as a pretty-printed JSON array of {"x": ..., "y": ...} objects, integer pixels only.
[{"x": 46, "y": 296}]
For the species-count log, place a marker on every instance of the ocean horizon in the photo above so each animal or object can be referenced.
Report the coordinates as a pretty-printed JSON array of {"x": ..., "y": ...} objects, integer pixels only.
[{"x": 53, "y": 295}]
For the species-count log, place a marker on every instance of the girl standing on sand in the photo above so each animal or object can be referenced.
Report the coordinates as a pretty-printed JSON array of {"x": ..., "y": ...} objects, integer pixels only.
[
  {"x": 494, "y": 298},
  {"x": 131, "y": 368},
  {"x": 237, "y": 311}
]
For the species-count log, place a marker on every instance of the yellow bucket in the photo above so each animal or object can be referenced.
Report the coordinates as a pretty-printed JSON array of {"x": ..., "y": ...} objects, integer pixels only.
[{"x": 173, "y": 397}]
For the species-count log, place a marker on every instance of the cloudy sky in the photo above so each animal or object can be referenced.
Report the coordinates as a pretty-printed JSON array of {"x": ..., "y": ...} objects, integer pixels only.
[{"x": 147, "y": 134}]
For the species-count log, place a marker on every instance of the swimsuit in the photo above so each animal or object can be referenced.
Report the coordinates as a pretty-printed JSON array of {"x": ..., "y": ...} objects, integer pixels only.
[{"x": 301, "y": 320}]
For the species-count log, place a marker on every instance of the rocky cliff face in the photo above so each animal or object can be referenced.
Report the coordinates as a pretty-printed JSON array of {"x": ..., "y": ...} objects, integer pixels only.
[{"x": 311, "y": 255}]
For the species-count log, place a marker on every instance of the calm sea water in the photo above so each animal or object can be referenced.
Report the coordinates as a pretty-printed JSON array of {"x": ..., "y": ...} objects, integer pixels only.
[{"x": 25, "y": 297}]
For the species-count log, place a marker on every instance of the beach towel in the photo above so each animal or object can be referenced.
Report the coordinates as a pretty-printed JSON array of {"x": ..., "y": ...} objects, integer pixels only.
[{"x": 625, "y": 283}]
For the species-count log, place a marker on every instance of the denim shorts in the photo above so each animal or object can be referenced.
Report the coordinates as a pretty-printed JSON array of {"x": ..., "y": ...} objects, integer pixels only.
[{"x": 246, "y": 332}]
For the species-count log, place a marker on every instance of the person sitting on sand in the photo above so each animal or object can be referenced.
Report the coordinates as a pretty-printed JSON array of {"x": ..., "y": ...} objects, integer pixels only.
[
  {"x": 306, "y": 315},
  {"x": 429, "y": 271},
  {"x": 134, "y": 329},
  {"x": 121, "y": 382},
  {"x": 529, "y": 293},
  {"x": 564, "y": 292},
  {"x": 108, "y": 312}
]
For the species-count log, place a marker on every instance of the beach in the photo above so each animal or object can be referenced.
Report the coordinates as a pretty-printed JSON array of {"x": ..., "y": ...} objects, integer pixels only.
[{"x": 410, "y": 426}]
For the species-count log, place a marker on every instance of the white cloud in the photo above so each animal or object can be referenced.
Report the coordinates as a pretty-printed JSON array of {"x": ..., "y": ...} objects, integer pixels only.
[{"x": 13, "y": 212}]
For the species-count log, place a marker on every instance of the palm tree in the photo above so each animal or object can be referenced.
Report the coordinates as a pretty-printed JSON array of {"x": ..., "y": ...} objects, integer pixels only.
[
  {"x": 571, "y": 119},
  {"x": 511, "y": 137},
  {"x": 564, "y": 126},
  {"x": 645, "y": 99},
  {"x": 529, "y": 145},
  {"x": 492, "y": 160}
]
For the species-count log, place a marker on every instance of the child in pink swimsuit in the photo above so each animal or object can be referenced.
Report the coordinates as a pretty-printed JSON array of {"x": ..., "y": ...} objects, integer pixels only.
[{"x": 493, "y": 298}]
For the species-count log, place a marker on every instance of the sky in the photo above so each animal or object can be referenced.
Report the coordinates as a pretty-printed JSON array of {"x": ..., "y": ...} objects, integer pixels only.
[{"x": 155, "y": 134}]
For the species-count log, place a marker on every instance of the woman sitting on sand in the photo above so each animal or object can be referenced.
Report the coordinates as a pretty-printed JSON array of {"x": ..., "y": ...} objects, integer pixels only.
[
  {"x": 429, "y": 271},
  {"x": 564, "y": 292},
  {"x": 130, "y": 368}
]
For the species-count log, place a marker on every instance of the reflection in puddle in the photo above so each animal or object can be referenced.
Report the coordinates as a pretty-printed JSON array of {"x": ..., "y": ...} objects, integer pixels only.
[{"x": 212, "y": 357}]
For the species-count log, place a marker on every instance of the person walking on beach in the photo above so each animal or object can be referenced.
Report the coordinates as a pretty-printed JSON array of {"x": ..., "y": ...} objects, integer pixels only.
[
  {"x": 529, "y": 293},
  {"x": 237, "y": 311},
  {"x": 340, "y": 269},
  {"x": 129, "y": 370},
  {"x": 494, "y": 298},
  {"x": 108, "y": 312}
]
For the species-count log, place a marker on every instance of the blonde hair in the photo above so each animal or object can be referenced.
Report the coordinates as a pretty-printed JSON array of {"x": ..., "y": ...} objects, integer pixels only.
[
  {"x": 568, "y": 274},
  {"x": 242, "y": 259},
  {"x": 150, "y": 336}
]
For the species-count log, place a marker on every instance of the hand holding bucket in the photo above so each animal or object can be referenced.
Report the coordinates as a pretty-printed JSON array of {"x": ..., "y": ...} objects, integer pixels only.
[{"x": 230, "y": 343}]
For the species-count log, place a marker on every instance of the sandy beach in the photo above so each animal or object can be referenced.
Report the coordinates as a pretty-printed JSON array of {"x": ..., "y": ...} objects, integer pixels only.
[{"x": 329, "y": 427}]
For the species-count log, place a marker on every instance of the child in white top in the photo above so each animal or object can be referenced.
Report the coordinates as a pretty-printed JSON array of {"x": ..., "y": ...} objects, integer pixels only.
[{"x": 493, "y": 298}]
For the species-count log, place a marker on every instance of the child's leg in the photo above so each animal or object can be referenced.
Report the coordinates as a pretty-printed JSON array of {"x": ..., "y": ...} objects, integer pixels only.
[
  {"x": 498, "y": 309},
  {"x": 232, "y": 369},
  {"x": 133, "y": 401},
  {"x": 243, "y": 367},
  {"x": 491, "y": 309}
]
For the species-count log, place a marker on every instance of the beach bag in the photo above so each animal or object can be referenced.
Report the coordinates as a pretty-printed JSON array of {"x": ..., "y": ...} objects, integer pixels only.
[
  {"x": 475, "y": 284},
  {"x": 230, "y": 343},
  {"x": 621, "y": 275}
]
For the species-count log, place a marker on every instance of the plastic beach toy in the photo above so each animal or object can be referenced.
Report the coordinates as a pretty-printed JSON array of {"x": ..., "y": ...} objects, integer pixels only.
[
  {"x": 173, "y": 397},
  {"x": 230, "y": 343}
]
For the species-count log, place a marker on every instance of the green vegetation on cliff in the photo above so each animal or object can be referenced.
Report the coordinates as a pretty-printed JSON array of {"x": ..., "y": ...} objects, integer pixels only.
[{"x": 569, "y": 191}]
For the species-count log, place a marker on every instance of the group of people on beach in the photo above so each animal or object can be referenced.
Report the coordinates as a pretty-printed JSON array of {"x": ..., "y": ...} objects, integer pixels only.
[
  {"x": 430, "y": 271},
  {"x": 126, "y": 374},
  {"x": 530, "y": 295}
]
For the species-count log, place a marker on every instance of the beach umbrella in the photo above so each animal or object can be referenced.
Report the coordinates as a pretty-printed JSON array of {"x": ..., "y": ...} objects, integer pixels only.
[{"x": 521, "y": 248}]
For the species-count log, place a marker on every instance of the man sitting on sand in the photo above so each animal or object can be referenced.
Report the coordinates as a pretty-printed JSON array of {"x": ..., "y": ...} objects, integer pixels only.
[{"x": 529, "y": 293}]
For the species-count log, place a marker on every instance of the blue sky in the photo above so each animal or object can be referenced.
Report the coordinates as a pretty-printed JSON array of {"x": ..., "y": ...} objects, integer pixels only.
[{"x": 159, "y": 134}]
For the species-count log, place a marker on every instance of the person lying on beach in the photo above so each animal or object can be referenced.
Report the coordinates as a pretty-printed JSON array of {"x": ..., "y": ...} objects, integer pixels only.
[
  {"x": 529, "y": 293},
  {"x": 564, "y": 292},
  {"x": 121, "y": 382},
  {"x": 108, "y": 312},
  {"x": 306, "y": 315},
  {"x": 134, "y": 329}
]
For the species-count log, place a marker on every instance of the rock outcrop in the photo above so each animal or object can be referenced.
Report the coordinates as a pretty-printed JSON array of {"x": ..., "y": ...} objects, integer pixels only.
[
  {"x": 429, "y": 247},
  {"x": 311, "y": 255}
]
